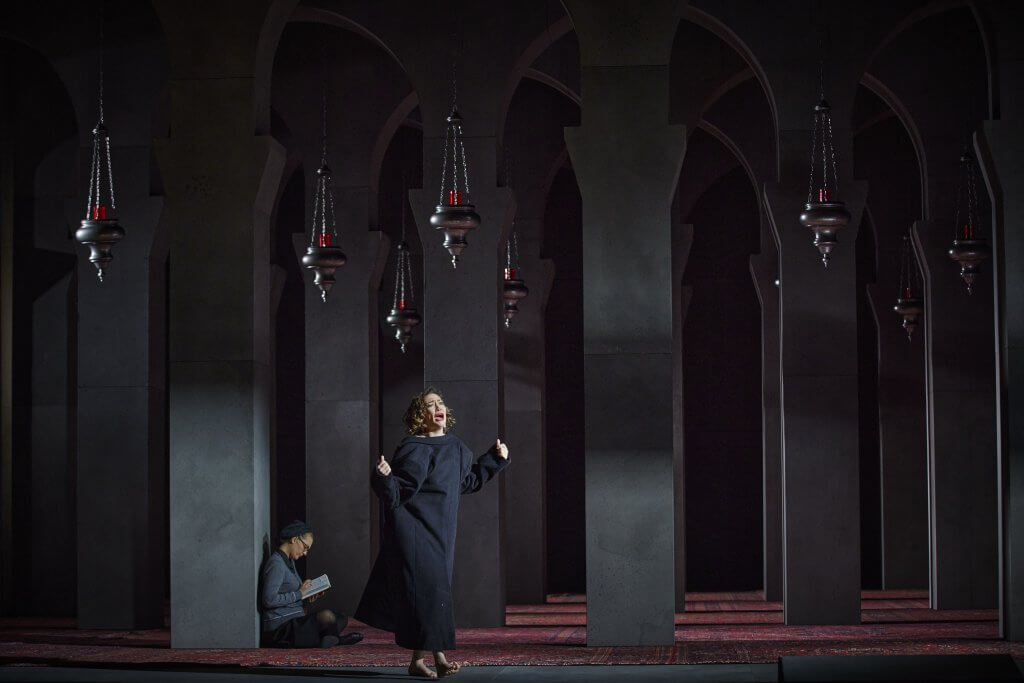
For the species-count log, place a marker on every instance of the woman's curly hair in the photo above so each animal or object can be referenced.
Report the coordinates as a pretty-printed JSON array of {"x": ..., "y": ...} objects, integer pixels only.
[{"x": 415, "y": 419}]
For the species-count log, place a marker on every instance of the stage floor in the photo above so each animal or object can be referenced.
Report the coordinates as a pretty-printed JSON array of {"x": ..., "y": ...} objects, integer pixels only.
[{"x": 718, "y": 628}]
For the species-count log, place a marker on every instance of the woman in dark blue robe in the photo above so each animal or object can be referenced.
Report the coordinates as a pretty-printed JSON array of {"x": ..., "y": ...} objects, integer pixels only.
[{"x": 409, "y": 591}]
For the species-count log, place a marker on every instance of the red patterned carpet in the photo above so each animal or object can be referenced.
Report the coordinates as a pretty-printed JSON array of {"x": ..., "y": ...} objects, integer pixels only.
[{"x": 716, "y": 628}]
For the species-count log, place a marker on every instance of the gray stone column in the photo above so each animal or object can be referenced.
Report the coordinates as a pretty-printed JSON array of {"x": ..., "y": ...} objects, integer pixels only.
[
  {"x": 627, "y": 189},
  {"x": 682, "y": 241},
  {"x": 904, "y": 450},
  {"x": 961, "y": 429},
  {"x": 526, "y": 485},
  {"x": 764, "y": 269},
  {"x": 1000, "y": 145},
  {"x": 341, "y": 403},
  {"x": 818, "y": 356},
  {"x": 121, "y": 437},
  {"x": 220, "y": 180},
  {"x": 820, "y": 456}
]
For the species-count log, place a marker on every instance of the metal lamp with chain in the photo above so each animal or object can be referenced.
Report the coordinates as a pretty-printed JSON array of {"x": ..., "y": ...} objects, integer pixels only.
[
  {"x": 403, "y": 316},
  {"x": 909, "y": 302},
  {"x": 100, "y": 230},
  {"x": 323, "y": 255},
  {"x": 823, "y": 213},
  {"x": 969, "y": 249},
  {"x": 454, "y": 214},
  {"x": 513, "y": 288}
]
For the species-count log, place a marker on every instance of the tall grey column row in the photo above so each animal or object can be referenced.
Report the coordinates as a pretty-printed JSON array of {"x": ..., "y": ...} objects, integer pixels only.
[
  {"x": 627, "y": 304},
  {"x": 957, "y": 340}
]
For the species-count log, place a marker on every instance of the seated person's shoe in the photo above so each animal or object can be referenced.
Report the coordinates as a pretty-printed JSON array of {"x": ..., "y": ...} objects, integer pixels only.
[
  {"x": 328, "y": 641},
  {"x": 350, "y": 638}
]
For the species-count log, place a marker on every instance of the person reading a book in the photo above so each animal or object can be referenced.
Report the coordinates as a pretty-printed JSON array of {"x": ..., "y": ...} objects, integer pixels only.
[
  {"x": 284, "y": 620},
  {"x": 409, "y": 591}
]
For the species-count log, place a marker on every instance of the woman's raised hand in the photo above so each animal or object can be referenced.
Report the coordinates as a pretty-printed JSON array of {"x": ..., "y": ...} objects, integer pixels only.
[
  {"x": 383, "y": 468},
  {"x": 502, "y": 449}
]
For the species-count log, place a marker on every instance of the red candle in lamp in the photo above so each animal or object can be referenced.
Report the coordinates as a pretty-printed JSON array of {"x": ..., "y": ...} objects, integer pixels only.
[
  {"x": 824, "y": 194},
  {"x": 510, "y": 273},
  {"x": 908, "y": 293},
  {"x": 325, "y": 239},
  {"x": 967, "y": 231},
  {"x": 99, "y": 213},
  {"x": 402, "y": 305},
  {"x": 454, "y": 198}
]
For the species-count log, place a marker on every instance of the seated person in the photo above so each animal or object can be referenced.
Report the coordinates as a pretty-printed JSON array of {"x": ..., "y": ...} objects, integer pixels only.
[{"x": 283, "y": 619}]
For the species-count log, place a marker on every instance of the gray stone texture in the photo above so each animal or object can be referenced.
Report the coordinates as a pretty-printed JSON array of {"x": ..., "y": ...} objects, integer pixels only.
[{"x": 628, "y": 317}]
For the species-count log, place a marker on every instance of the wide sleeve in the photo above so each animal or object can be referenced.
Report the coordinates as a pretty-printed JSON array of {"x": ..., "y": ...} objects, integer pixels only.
[
  {"x": 409, "y": 469},
  {"x": 274, "y": 573},
  {"x": 483, "y": 470}
]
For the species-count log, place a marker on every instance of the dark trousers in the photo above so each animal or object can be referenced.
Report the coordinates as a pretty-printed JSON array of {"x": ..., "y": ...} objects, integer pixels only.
[{"x": 304, "y": 631}]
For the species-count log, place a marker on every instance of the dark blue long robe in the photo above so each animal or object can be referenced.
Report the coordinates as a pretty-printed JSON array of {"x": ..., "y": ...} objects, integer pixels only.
[{"x": 409, "y": 591}]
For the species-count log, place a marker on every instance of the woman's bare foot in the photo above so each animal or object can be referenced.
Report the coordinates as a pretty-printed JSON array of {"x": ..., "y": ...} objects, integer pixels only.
[
  {"x": 444, "y": 667},
  {"x": 418, "y": 668}
]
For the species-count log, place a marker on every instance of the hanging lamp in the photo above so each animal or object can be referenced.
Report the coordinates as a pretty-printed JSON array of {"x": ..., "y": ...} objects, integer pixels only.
[
  {"x": 909, "y": 302},
  {"x": 514, "y": 288},
  {"x": 823, "y": 213},
  {"x": 969, "y": 248},
  {"x": 403, "y": 316},
  {"x": 323, "y": 255},
  {"x": 100, "y": 230},
  {"x": 454, "y": 214}
]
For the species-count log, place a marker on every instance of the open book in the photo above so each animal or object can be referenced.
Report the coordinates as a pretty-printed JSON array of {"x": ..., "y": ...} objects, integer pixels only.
[{"x": 317, "y": 585}]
